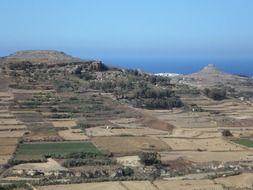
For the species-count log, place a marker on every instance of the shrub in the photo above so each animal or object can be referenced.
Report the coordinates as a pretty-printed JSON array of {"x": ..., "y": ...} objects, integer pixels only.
[
  {"x": 127, "y": 171},
  {"x": 226, "y": 133},
  {"x": 149, "y": 158}
]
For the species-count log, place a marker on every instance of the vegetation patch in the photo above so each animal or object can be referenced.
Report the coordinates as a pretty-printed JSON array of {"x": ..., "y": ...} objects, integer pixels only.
[
  {"x": 244, "y": 142},
  {"x": 215, "y": 93},
  {"x": 140, "y": 90}
]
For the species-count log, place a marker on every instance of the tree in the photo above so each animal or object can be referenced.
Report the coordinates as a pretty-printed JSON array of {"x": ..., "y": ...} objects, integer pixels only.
[{"x": 215, "y": 93}]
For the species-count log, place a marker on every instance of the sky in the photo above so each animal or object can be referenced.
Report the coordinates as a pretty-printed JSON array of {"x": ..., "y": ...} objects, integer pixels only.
[{"x": 137, "y": 31}]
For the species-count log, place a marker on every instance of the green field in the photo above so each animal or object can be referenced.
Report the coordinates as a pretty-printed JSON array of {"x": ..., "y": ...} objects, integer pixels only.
[
  {"x": 39, "y": 150},
  {"x": 245, "y": 142}
]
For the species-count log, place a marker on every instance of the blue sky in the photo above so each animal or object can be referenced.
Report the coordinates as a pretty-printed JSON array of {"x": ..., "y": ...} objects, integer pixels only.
[{"x": 118, "y": 29}]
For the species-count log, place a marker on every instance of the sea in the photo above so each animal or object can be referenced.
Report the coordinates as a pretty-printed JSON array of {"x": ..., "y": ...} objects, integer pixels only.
[{"x": 240, "y": 67}]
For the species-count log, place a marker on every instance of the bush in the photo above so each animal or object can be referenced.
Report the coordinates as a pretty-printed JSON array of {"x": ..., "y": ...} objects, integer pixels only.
[
  {"x": 127, "y": 171},
  {"x": 149, "y": 158},
  {"x": 226, "y": 133}
]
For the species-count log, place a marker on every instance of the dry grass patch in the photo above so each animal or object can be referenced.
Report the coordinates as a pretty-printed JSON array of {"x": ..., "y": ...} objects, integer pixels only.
[
  {"x": 196, "y": 156},
  {"x": 212, "y": 144}
]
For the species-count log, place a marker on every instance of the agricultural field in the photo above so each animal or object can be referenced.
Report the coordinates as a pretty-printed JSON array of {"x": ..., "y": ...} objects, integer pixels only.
[
  {"x": 7, "y": 147},
  {"x": 73, "y": 134},
  {"x": 204, "y": 157},
  {"x": 141, "y": 185},
  {"x": 244, "y": 142},
  {"x": 208, "y": 144},
  {"x": 11, "y": 128},
  {"x": 123, "y": 131},
  {"x": 39, "y": 150},
  {"x": 129, "y": 145}
]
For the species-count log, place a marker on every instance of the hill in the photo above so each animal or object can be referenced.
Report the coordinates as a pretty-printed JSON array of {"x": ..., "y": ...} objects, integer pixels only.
[
  {"x": 211, "y": 77},
  {"x": 50, "y": 59},
  {"x": 40, "y": 56}
]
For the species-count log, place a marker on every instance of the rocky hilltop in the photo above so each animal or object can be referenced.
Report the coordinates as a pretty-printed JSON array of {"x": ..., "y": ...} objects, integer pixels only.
[
  {"x": 210, "y": 77},
  {"x": 210, "y": 69},
  {"x": 50, "y": 59}
]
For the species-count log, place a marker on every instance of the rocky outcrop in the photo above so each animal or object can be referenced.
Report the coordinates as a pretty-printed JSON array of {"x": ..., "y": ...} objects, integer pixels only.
[{"x": 50, "y": 60}]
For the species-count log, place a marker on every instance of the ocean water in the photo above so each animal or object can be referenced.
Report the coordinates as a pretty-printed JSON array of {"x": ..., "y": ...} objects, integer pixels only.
[{"x": 243, "y": 67}]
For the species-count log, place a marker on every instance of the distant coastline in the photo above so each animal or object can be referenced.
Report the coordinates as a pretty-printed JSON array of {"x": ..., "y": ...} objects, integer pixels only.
[{"x": 238, "y": 67}]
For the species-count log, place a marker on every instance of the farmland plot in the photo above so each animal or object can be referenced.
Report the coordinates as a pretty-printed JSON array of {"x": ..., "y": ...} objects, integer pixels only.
[
  {"x": 39, "y": 150},
  {"x": 129, "y": 145},
  {"x": 139, "y": 185},
  {"x": 211, "y": 144}
]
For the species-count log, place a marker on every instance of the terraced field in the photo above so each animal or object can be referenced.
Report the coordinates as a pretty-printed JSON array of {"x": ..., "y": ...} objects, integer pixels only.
[
  {"x": 39, "y": 150},
  {"x": 11, "y": 128},
  {"x": 141, "y": 185}
]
